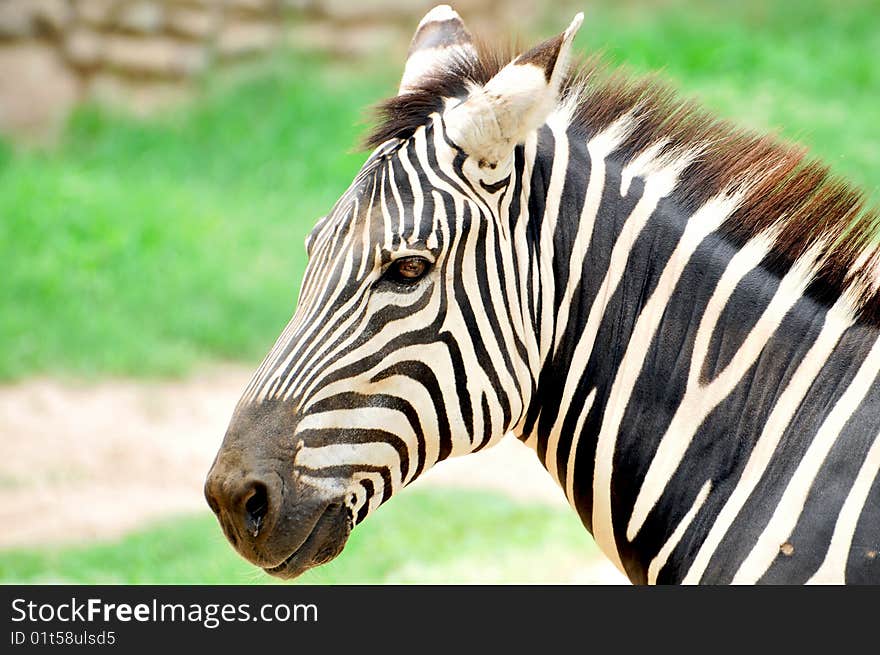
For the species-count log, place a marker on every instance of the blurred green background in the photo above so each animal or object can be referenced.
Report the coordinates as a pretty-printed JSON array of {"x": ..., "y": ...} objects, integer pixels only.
[{"x": 155, "y": 246}]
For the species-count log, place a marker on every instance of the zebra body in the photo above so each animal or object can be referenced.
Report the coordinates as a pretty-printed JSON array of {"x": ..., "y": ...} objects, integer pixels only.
[{"x": 688, "y": 368}]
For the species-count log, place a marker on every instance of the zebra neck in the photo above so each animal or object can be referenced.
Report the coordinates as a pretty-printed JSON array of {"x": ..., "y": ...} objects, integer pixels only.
[
  {"x": 594, "y": 232},
  {"x": 667, "y": 355}
]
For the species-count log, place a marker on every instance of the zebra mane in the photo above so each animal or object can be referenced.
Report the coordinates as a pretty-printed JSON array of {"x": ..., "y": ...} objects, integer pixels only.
[{"x": 809, "y": 211}]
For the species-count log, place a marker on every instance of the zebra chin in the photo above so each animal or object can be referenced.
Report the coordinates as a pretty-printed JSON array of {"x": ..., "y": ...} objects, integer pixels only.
[{"x": 323, "y": 543}]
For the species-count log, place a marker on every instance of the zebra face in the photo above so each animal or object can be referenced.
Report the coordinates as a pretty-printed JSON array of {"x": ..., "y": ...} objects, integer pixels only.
[
  {"x": 403, "y": 349},
  {"x": 388, "y": 365}
]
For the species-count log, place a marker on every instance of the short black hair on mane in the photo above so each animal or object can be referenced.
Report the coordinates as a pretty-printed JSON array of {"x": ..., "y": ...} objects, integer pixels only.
[{"x": 808, "y": 208}]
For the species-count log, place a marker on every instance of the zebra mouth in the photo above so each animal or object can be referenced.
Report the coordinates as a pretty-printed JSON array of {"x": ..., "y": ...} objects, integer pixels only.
[{"x": 325, "y": 541}]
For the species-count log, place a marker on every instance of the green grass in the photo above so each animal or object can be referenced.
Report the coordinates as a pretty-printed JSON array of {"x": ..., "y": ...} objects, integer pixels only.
[
  {"x": 420, "y": 537},
  {"x": 147, "y": 247}
]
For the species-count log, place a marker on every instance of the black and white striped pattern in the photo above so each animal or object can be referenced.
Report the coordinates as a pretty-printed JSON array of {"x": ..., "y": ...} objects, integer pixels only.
[{"x": 710, "y": 415}]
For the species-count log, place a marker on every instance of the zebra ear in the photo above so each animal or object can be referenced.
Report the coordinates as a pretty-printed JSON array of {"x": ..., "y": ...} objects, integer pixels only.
[
  {"x": 440, "y": 38},
  {"x": 517, "y": 101}
]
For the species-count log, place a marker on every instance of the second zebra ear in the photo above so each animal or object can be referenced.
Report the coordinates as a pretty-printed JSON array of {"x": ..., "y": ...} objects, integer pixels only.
[
  {"x": 490, "y": 123},
  {"x": 440, "y": 38}
]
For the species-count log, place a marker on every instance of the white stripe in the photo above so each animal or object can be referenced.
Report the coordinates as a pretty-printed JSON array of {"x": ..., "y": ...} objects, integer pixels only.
[
  {"x": 592, "y": 201},
  {"x": 383, "y": 207},
  {"x": 417, "y": 194},
  {"x": 552, "y": 199},
  {"x": 833, "y": 569},
  {"x": 376, "y": 453},
  {"x": 660, "y": 559},
  {"x": 367, "y": 262},
  {"x": 790, "y": 506},
  {"x": 523, "y": 256}
]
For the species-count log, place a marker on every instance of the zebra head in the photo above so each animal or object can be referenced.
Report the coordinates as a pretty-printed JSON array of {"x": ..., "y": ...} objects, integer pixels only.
[{"x": 408, "y": 345}]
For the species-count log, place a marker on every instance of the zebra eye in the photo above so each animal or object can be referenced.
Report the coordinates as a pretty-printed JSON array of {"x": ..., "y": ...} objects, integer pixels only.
[{"x": 408, "y": 269}]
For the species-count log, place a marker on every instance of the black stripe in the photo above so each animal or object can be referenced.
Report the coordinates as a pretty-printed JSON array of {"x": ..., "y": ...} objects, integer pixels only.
[
  {"x": 422, "y": 373},
  {"x": 353, "y": 401}
]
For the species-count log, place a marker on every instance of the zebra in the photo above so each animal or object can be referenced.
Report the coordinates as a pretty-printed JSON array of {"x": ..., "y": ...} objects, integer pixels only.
[{"x": 680, "y": 318}]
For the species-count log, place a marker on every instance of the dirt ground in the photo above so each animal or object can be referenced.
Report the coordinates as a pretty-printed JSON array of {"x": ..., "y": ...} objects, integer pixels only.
[{"x": 83, "y": 462}]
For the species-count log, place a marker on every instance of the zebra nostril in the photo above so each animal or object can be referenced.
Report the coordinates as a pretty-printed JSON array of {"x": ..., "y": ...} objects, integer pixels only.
[{"x": 256, "y": 507}]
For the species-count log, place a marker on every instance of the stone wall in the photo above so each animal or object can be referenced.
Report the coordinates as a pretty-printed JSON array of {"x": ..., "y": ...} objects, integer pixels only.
[{"x": 143, "y": 54}]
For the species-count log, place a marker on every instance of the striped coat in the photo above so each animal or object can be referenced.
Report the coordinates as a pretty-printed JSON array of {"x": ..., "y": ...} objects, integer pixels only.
[{"x": 679, "y": 317}]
